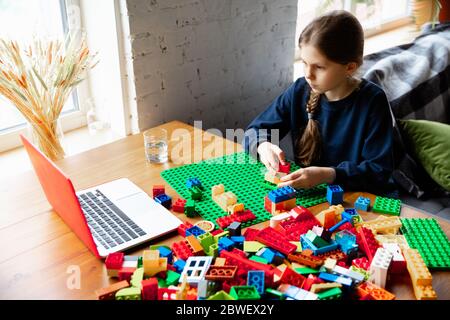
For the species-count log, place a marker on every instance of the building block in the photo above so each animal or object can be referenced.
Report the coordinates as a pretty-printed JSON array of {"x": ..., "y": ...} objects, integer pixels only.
[
  {"x": 351, "y": 215},
  {"x": 196, "y": 193},
  {"x": 362, "y": 263},
  {"x": 206, "y": 240},
  {"x": 256, "y": 278},
  {"x": 109, "y": 293},
  {"x": 346, "y": 241},
  {"x": 376, "y": 292},
  {"x": 307, "y": 244},
  {"x": 308, "y": 260},
  {"x": 253, "y": 246},
  {"x": 149, "y": 289},
  {"x": 195, "y": 245},
  {"x": 235, "y": 208},
  {"x": 282, "y": 194},
  {"x": 164, "y": 200},
  {"x": 355, "y": 276},
  {"x": 383, "y": 225},
  {"x": 194, "y": 231},
  {"x": 335, "y": 195},
  {"x": 244, "y": 293},
  {"x": 316, "y": 240},
  {"x": 398, "y": 239},
  {"x": 289, "y": 276},
  {"x": 320, "y": 287},
  {"x": 126, "y": 273},
  {"x": 275, "y": 240},
  {"x": 183, "y": 227},
  {"x": 172, "y": 278},
  {"x": 387, "y": 206},
  {"x": 330, "y": 294},
  {"x": 225, "y": 243},
  {"x": 238, "y": 242},
  {"x": 137, "y": 277},
  {"x": 335, "y": 278},
  {"x": 178, "y": 206},
  {"x": 194, "y": 182},
  {"x": 158, "y": 189},
  {"x": 427, "y": 236},
  {"x": 285, "y": 168},
  {"x": 362, "y": 203},
  {"x": 167, "y": 294},
  {"x": 196, "y": 269},
  {"x": 220, "y": 273},
  {"x": 179, "y": 265},
  {"x": 128, "y": 294},
  {"x": 165, "y": 253},
  {"x": 242, "y": 217},
  {"x": 189, "y": 208},
  {"x": 367, "y": 242},
  {"x": 221, "y": 295},
  {"x": 113, "y": 263},
  {"x": 379, "y": 267},
  {"x": 152, "y": 263},
  {"x": 234, "y": 229},
  {"x": 182, "y": 250},
  {"x": 398, "y": 263}
]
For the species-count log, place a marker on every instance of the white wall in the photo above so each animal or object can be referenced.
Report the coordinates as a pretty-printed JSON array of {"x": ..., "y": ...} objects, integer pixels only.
[{"x": 220, "y": 61}]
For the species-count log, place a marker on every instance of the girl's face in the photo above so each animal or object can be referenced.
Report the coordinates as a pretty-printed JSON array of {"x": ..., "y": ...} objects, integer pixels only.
[{"x": 325, "y": 76}]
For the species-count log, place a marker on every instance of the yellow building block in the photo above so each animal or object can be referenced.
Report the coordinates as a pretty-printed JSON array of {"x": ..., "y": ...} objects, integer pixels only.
[
  {"x": 152, "y": 263},
  {"x": 318, "y": 287},
  {"x": 383, "y": 225},
  {"x": 393, "y": 238},
  {"x": 420, "y": 275},
  {"x": 238, "y": 207}
]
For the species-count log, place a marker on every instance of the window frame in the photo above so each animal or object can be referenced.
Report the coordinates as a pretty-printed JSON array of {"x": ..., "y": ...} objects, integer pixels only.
[{"x": 70, "y": 120}]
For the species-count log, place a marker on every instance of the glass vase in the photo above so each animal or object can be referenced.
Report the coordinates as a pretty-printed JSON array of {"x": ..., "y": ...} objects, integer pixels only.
[{"x": 48, "y": 137}]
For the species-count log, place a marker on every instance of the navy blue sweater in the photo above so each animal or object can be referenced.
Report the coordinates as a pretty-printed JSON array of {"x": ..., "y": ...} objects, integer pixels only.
[{"x": 356, "y": 133}]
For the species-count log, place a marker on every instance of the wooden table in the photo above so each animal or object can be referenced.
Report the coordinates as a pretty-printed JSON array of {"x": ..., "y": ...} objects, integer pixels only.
[{"x": 40, "y": 256}]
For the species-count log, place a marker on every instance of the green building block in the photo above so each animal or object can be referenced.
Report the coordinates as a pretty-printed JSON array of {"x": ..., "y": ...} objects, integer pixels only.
[
  {"x": 330, "y": 294},
  {"x": 206, "y": 240},
  {"x": 259, "y": 259},
  {"x": 137, "y": 277},
  {"x": 189, "y": 208},
  {"x": 172, "y": 278},
  {"x": 240, "y": 174},
  {"x": 140, "y": 263},
  {"x": 306, "y": 270},
  {"x": 162, "y": 283},
  {"x": 213, "y": 250},
  {"x": 244, "y": 293},
  {"x": 275, "y": 293},
  {"x": 196, "y": 193},
  {"x": 387, "y": 206},
  {"x": 364, "y": 272},
  {"x": 427, "y": 236},
  {"x": 221, "y": 295},
  {"x": 131, "y": 293}
]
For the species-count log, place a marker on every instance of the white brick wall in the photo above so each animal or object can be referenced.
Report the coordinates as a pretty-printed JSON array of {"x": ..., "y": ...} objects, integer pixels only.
[{"x": 220, "y": 61}]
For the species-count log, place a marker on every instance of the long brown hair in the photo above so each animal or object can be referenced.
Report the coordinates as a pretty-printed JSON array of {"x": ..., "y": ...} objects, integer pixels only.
[{"x": 339, "y": 36}]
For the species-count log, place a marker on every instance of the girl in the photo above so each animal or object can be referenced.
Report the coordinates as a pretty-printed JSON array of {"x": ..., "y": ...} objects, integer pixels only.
[{"x": 341, "y": 126}]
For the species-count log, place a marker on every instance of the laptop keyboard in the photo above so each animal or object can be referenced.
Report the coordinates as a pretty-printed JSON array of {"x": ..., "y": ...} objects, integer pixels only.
[{"x": 109, "y": 225}]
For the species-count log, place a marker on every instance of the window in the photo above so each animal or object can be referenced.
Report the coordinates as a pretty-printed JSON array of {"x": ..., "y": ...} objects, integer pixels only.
[
  {"x": 22, "y": 20},
  {"x": 376, "y": 16}
]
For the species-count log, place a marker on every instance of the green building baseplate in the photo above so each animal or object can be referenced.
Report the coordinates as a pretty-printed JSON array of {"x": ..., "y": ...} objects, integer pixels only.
[
  {"x": 427, "y": 236},
  {"x": 240, "y": 174}
]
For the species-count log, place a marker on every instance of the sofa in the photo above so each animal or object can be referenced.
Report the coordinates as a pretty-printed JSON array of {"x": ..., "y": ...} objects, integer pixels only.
[{"x": 415, "y": 77}]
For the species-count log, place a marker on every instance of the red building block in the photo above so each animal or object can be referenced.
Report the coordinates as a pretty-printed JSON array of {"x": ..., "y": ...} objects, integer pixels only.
[
  {"x": 183, "y": 227},
  {"x": 242, "y": 217},
  {"x": 293, "y": 278},
  {"x": 367, "y": 242},
  {"x": 158, "y": 189},
  {"x": 312, "y": 279},
  {"x": 114, "y": 261},
  {"x": 182, "y": 250},
  {"x": 126, "y": 273},
  {"x": 285, "y": 168},
  {"x": 216, "y": 232},
  {"x": 178, "y": 206},
  {"x": 276, "y": 240},
  {"x": 167, "y": 294},
  {"x": 250, "y": 234},
  {"x": 149, "y": 289},
  {"x": 362, "y": 263}
]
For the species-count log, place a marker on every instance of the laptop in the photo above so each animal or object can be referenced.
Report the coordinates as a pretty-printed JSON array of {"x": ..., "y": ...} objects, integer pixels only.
[{"x": 108, "y": 218}]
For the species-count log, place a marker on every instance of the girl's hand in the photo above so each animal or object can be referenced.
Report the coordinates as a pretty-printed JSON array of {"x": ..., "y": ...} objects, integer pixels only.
[
  {"x": 271, "y": 156},
  {"x": 308, "y": 177}
]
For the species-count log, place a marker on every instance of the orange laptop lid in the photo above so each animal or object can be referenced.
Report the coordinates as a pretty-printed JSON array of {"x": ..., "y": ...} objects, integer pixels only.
[{"x": 60, "y": 194}]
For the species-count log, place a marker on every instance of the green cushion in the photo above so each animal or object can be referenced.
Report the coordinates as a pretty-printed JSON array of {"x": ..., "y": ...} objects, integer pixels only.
[{"x": 431, "y": 144}]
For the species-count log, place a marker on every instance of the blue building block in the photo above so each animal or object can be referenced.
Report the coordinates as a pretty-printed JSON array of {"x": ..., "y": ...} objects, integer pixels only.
[
  {"x": 165, "y": 253},
  {"x": 346, "y": 241},
  {"x": 164, "y": 200},
  {"x": 335, "y": 195},
  {"x": 350, "y": 215},
  {"x": 256, "y": 278},
  {"x": 282, "y": 194},
  {"x": 335, "y": 278},
  {"x": 225, "y": 243},
  {"x": 362, "y": 204},
  {"x": 194, "y": 231},
  {"x": 238, "y": 242},
  {"x": 179, "y": 265},
  {"x": 194, "y": 182},
  {"x": 307, "y": 244}
]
